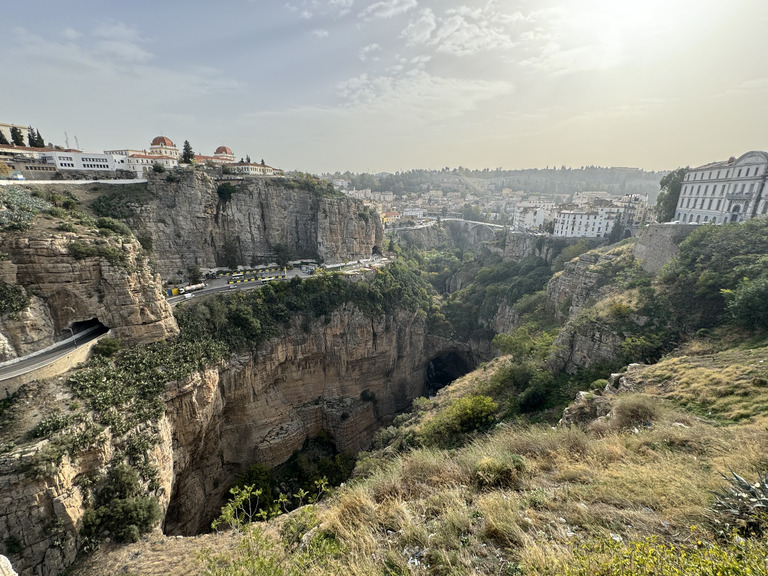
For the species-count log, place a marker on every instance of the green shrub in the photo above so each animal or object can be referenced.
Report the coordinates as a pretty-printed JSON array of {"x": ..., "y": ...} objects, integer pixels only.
[
  {"x": 634, "y": 411},
  {"x": 464, "y": 415},
  {"x": 106, "y": 223},
  {"x": 225, "y": 191},
  {"x": 106, "y": 347},
  {"x": 532, "y": 398},
  {"x": 66, "y": 227},
  {"x": 158, "y": 168},
  {"x": 50, "y": 424},
  {"x": 121, "y": 512},
  {"x": 12, "y": 299},
  {"x": 492, "y": 472},
  {"x": 79, "y": 250}
]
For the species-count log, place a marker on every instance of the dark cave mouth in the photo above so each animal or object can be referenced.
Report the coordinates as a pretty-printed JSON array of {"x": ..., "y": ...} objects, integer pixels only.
[{"x": 444, "y": 369}]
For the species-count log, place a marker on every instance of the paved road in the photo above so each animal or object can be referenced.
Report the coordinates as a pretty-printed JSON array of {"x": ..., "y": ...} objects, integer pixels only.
[{"x": 35, "y": 362}]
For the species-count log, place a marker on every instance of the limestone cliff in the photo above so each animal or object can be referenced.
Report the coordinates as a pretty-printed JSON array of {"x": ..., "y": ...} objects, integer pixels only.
[
  {"x": 190, "y": 223},
  {"x": 111, "y": 282},
  {"x": 346, "y": 374},
  {"x": 589, "y": 336}
]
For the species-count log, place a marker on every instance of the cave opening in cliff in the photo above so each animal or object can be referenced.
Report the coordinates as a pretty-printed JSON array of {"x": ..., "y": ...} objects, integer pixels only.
[{"x": 444, "y": 369}]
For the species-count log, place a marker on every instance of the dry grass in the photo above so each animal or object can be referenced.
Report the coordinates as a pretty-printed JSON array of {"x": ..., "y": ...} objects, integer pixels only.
[{"x": 525, "y": 496}]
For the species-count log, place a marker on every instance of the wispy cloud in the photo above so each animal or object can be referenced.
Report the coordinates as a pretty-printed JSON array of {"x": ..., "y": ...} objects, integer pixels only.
[
  {"x": 461, "y": 31},
  {"x": 387, "y": 9},
  {"x": 320, "y": 33},
  {"x": 370, "y": 52}
]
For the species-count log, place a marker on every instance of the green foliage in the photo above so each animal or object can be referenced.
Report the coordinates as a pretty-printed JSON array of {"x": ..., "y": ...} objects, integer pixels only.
[
  {"x": 80, "y": 251},
  {"x": 158, "y": 168},
  {"x": 12, "y": 545},
  {"x": 126, "y": 389},
  {"x": 742, "y": 506},
  {"x": 248, "y": 319},
  {"x": 146, "y": 242},
  {"x": 748, "y": 304},
  {"x": 653, "y": 557},
  {"x": 506, "y": 472},
  {"x": 13, "y": 299},
  {"x": 121, "y": 511},
  {"x": 123, "y": 204},
  {"x": 54, "y": 422},
  {"x": 107, "y": 223},
  {"x": 464, "y": 415},
  {"x": 187, "y": 154},
  {"x": 225, "y": 191},
  {"x": 670, "y": 186},
  {"x": 106, "y": 347},
  {"x": 568, "y": 253},
  {"x": 17, "y": 137},
  {"x": 304, "y": 181},
  {"x": 66, "y": 227},
  {"x": 471, "y": 310},
  {"x": 21, "y": 208},
  {"x": 713, "y": 261},
  {"x": 283, "y": 254}
]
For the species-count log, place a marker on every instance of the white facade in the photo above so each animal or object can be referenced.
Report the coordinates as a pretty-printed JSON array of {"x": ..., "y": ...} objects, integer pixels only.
[
  {"x": 76, "y": 160},
  {"x": 729, "y": 191},
  {"x": 532, "y": 215},
  {"x": 254, "y": 169},
  {"x": 594, "y": 223},
  {"x": 140, "y": 163}
]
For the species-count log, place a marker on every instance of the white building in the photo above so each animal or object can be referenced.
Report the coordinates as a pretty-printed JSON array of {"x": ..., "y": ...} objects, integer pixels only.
[
  {"x": 76, "y": 160},
  {"x": 140, "y": 163},
  {"x": 164, "y": 146},
  {"x": 590, "y": 223},
  {"x": 728, "y": 191},
  {"x": 254, "y": 169}
]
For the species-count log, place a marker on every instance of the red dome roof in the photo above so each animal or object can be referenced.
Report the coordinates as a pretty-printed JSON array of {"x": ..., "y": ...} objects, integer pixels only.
[
  {"x": 162, "y": 141},
  {"x": 223, "y": 150}
]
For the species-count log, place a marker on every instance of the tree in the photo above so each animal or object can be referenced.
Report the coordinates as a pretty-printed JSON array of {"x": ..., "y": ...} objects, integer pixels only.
[
  {"x": 16, "y": 136},
  {"x": 282, "y": 254},
  {"x": 666, "y": 203},
  {"x": 262, "y": 162},
  {"x": 616, "y": 233},
  {"x": 39, "y": 140},
  {"x": 247, "y": 159},
  {"x": 3, "y": 139},
  {"x": 187, "y": 155},
  {"x": 31, "y": 137}
]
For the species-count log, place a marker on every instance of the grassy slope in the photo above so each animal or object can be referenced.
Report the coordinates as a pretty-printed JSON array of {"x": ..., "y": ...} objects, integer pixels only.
[{"x": 524, "y": 498}]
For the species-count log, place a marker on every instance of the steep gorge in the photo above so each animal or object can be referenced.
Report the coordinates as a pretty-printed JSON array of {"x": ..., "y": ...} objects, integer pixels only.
[{"x": 189, "y": 223}]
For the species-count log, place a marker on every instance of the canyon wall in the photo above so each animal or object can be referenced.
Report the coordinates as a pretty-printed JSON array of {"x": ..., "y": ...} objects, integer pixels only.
[
  {"x": 345, "y": 374},
  {"x": 124, "y": 296},
  {"x": 190, "y": 224}
]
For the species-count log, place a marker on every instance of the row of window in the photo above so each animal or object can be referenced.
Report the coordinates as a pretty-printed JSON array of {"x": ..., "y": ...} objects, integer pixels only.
[
  {"x": 735, "y": 188},
  {"x": 701, "y": 175}
]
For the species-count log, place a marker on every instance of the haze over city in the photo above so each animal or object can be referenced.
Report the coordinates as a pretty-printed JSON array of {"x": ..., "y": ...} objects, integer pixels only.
[{"x": 367, "y": 85}]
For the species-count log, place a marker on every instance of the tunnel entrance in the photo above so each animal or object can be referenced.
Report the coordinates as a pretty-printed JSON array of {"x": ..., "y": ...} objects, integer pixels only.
[
  {"x": 444, "y": 369},
  {"x": 90, "y": 327}
]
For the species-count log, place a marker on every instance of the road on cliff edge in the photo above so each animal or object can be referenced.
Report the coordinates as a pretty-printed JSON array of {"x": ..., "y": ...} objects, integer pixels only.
[{"x": 30, "y": 363}]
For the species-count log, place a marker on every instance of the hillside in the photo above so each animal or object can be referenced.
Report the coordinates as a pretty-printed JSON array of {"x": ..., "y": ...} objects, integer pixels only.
[{"x": 482, "y": 478}]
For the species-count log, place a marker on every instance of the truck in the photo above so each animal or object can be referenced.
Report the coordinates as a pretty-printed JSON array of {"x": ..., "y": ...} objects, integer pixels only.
[{"x": 191, "y": 288}]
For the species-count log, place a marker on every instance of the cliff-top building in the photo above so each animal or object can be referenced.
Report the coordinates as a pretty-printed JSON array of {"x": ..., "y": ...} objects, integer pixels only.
[{"x": 728, "y": 191}]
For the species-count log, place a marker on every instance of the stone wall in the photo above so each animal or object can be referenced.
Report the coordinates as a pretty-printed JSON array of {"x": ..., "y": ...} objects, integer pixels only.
[{"x": 659, "y": 243}]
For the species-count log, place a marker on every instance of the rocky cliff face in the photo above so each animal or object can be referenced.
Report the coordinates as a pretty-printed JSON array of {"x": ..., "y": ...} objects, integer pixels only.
[
  {"x": 581, "y": 284},
  {"x": 263, "y": 408},
  {"x": 125, "y": 297},
  {"x": 346, "y": 374},
  {"x": 189, "y": 223}
]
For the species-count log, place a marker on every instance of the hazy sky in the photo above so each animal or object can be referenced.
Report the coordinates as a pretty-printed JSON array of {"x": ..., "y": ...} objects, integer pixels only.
[{"x": 386, "y": 85}]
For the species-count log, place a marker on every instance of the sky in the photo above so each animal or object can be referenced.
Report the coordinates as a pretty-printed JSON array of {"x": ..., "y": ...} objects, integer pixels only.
[{"x": 388, "y": 85}]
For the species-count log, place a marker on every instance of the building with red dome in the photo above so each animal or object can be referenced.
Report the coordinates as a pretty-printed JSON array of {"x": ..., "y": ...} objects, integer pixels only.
[{"x": 164, "y": 146}]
